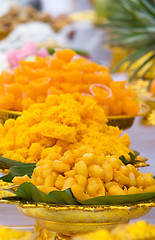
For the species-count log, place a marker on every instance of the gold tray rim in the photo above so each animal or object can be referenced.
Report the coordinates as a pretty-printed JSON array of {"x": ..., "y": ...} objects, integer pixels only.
[
  {"x": 65, "y": 207},
  {"x": 27, "y": 204},
  {"x": 17, "y": 113}
]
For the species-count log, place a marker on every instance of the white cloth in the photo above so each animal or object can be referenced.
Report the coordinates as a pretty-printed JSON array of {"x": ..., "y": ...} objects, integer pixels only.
[
  {"x": 57, "y": 7},
  {"x": 35, "y": 31},
  {"x": 3, "y": 62},
  {"x": 5, "y": 6}
]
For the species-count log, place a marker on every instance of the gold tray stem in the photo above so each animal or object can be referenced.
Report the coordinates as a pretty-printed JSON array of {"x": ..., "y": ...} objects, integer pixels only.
[{"x": 47, "y": 234}]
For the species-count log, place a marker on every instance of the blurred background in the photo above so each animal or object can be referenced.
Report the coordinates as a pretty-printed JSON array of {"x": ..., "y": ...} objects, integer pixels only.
[
  {"x": 106, "y": 32},
  {"x": 65, "y": 23}
]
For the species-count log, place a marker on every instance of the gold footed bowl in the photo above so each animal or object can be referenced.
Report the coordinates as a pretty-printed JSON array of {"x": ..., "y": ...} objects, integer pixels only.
[
  {"x": 6, "y": 114},
  {"x": 122, "y": 121},
  {"x": 62, "y": 222},
  {"x": 125, "y": 121}
]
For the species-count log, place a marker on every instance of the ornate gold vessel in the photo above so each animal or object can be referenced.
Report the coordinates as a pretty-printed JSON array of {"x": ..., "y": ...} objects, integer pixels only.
[
  {"x": 124, "y": 121},
  {"x": 6, "y": 114},
  {"x": 61, "y": 222}
]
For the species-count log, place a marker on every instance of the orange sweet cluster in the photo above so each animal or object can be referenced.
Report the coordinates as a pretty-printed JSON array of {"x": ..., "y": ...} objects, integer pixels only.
[
  {"x": 152, "y": 87},
  {"x": 64, "y": 72}
]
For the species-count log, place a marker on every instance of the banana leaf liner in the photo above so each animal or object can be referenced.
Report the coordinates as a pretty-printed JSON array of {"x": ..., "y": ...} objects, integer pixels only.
[{"x": 29, "y": 192}]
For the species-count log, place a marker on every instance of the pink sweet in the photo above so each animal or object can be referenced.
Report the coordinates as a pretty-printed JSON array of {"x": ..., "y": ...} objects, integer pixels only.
[{"x": 16, "y": 55}]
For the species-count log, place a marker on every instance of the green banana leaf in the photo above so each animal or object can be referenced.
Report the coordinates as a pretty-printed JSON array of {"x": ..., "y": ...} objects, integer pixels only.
[
  {"x": 28, "y": 192},
  {"x": 132, "y": 158},
  {"x": 7, "y": 178},
  {"x": 20, "y": 169},
  {"x": 120, "y": 199},
  {"x": 78, "y": 51},
  {"x": 6, "y": 163}
]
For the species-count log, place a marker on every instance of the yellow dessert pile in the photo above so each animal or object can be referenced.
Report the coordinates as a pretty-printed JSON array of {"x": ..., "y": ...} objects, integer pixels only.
[
  {"x": 65, "y": 72},
  {"x": 7, "y": 233},
  {"x": 68, "y": 138},
  {"x": 140, "y": 230},
  {"x": 65, "y": 122}
]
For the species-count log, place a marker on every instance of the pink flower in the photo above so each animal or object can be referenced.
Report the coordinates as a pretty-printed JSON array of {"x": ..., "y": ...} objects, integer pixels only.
[{"x": 16, "y": 55}]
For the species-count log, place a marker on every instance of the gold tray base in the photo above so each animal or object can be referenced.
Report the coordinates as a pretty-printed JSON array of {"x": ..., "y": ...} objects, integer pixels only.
[
  {"x": 47, "y": 234},
  {"x": 122, "y": 123},
  {"x": 6, "y": 114},
  {"x": 62, "y": 222}
]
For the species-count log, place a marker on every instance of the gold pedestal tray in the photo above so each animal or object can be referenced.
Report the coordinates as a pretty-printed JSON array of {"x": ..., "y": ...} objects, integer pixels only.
[
  {"x": 6, "y": 114},
  {"x": 122, "y": 121},
  {"x": 125, "y": 121},
  {"x": 62, "y": 222}
]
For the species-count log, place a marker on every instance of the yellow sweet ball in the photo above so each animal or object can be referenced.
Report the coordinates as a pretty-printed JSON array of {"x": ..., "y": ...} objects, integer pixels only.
[{"x": 11, "y": 234}]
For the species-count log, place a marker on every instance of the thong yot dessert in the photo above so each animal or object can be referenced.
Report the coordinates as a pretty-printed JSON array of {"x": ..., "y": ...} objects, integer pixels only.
[{"x": 65, "y": 72}]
